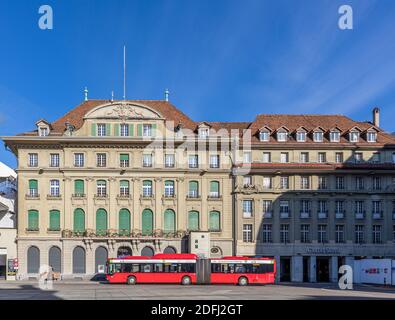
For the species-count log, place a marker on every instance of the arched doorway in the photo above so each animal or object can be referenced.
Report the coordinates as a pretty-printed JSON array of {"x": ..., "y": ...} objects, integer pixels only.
[
  {"x": 170, "y": 250},
  {"x": 147, "y": 252},
  {"x": 79, "y": 260},
  {"x": 33, "y": 260},
  {"x": 101, "y": 255},
  {"x": 124, "y": 251},
  {"x": 55, "y": 259}
]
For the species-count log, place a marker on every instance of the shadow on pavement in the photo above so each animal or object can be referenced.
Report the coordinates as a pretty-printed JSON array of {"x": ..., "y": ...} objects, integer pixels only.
[{"x": 27, "y": 292}]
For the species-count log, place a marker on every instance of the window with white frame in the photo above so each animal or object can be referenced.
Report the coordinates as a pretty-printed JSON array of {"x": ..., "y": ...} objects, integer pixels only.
[
  {"x": 33, "y": 160},
  {"x": 284, "y": 182},
  {"x": 322, "y": 234},
  {"x": 79, "y": 160},
  {"x": 264, "y": 136},
  {"x": 247, "y": 232},
  {"x": 147, "y": 188},
  {"x": 284, "y": 206},
  {"x": 305, "y": 206},
  {"x": 101, "y": 188},
  {"x": 304, "y": 157},
  {"x": 301, "y": 136},
  {"x": 266, "y": 157},
  {"x": 376, "y": 183},
  {"x": 358, "y": 157},
  {"x": 318, "y": 136},
  {"x": 267, "y": 183},
  {"x": 193, "y": 161},
  {"x": 340, "y": 185},
  {"x": 305, "y": 182},
  {"x": 322, "y": 206},
  {"x": 214, "y": 161},
  {"x": 169, "y": 188},
  {"x": 359, "y": 183},
  {"x": 101, "y": 160},
  {"x": 359, "y": 234},
  {"x": 321, "y": 157},
  {"x": 124, "y": 188},
  {"x": 334, "y": 136},
  {"x": 282, "y": 136},
  {"x": 371, "y": 136},
  {"x": 54, "y": 160},
  {"x": 322, "y": 182},
  {"x": 54, "y": 188},
  {"x": 376, "y": 206},
  {"x": 43, "y": 131},
  {"x": 147, "y": 130},
  {"x": 339, "y": 206},
  {"x": 124, "y": 160},
  {"x": 267, "y": 233},
  {"x": 124, "y": 130},
  {"x": 284, "y": 233},
  {"x": 169, "y": 160},
  {"x": 284, "y": 157},
  {"x": 247, "y": 181},
  {"x": 204, "y": 132},
  {"x": 247, "y": 208},
  {"x": 377, "y": 234},
  {"x": 339, "y": 157},
  {"x": 101, "y": 130},
  {"x": 147, "y": 160},
  {"x": 267, "y": 206},
  {"x": 359, "y": 206},
  {"x": 305, "y": 233},
  {"x": 247, "y": 158},
  {"x": 354, "y": 136},
  {"x": 339, "y": 233}
]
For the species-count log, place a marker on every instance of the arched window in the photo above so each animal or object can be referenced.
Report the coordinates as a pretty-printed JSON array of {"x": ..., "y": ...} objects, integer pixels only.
[
  {"x": 214, "y": 224},
  {"x": 170, "y": 250},
  {"x": 147, "y": 252},
  {"x": 55, "y": 259},
  {"x": 79, "y": 260},
  {"x": 101, "y": 222},
  {"x": 33, "y": 188},
  {"x": 101, "y": 255},
  {"x": 169, "y": 188},
  {"x": 33, "y": 260},
  {"x": 54, "y": 220},
  {"x": 79, "y": 220},
  {"x": 147, "y": 188},
  {"x": 193, "y": 190},
  {"x": 32, "y": 220},
  {"x": 193, "y": 220},
  {"x": 124, "y": 188},
  {"x": 79, "y": 188},
  {"x": 101, "y": 188},
  {"x": 214, "y": 189},
  {"x": 124, "y": 222},
  {"x": 147, "y": 222},
  {"x": 170, "y": 221}
]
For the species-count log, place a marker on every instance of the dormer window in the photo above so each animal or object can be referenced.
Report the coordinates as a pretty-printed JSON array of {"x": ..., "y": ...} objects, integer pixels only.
[
  {"x": 334, "y": 136},
  {"x": 301, "y": 136},
  {"x": 318, "y": 136},
  {"x": 282, "y": 134},
  {"x": 371, "y": 136},
  {"x": 264, "y": 136},
  {"x": 43, "y": 132},
  {"x": 354, "y": 136},
  {"x": 204, "y": 132},
  {"x": 43, "y": 128}
]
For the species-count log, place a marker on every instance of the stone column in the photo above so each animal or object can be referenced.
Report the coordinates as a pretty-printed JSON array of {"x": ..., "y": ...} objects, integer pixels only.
[
  {"x": 313, "y": 269},
  {"x": 333, "y": 269},
  {"x": 297, "y": 269}
]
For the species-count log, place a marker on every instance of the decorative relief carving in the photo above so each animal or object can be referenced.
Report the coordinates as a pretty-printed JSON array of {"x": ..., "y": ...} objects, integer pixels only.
[{"x": 124, "y": 112}]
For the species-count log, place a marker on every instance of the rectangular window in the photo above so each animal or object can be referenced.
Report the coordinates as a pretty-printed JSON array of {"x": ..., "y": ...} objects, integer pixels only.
[
  {"x": 339, "y": 233},
  {"x": 124, "y": 130},
  {"x": 376, "y": 157},
  {"x": 79, "y": 160},
  {"x": 247, "y": 232},
  {"x": 284, "y": 209},
  {"x": 169, "y": 188},
  {"x": 266, "y": 157},
  {"x": 43, "y": 132},
  {"x": 282, "y": 136},
  {"x": 358, "y": 157},
  {"x": 359, "y": 234},
  {"x": 101, "y": 130},
  {"x": 377, "y": 234},
  {"x": 284, "y": 233},
  {"x": 124, "y": 160},
  {"x": 284, "y": 182},
  {"x": 354, "y": 136},
  {"x": 376, "y": 183},
  {"x": 204, "y": 133},
  {"x": 147, "y": 188},
  {"x": 372, "y": 136},
  {"x": 304, "y": 157},
  {"x": 247, "y": 158},
  {"x": 147, "y": 160},
  {"x": 322, "y": 206},
  {"x": 193, "y": 161},
  {"x": 247, "y": 181},
  {"x": 169, "y": 160},
  {"x": 101, "y": 188},
  {"x": 305, "y": 182},
  {"x": 321, "y": 157},
  {"x": 33, "y": 160},
  {"x": 247, "y": 208},
  {"x": 318, "y": 136},
  {"x": 54, "y": 189},
  {"x": 214, "y": 161},
  {"x": 284, "y": 157},
  {"x": 334, "y": 136},
  {"x": 101, "y": 160},
  {"x": 33, "y": 188},
  {"x": 339, "y": 206},
  {"x": 305, "y": 208},
  {"x": 267, "y": 206},
  {"x": 264, "y": 136},
  {"x": 124, "y": 188},
  {"x": 147, "y": 130},
  {"x": 267, "y": 183},
  {"x": 322, "y": 238},
  {"x": 267, "y": 233},
  {"x": 339, "y": 157},
  {"x": 322, "y": 182},
  {"x": 305, "y": 233},
  {"x": 301, "y": 136},
  {"x": 340, "y": 183},
  {"x": 54, "y": 160},
  {"x": 359, "y": 183}
]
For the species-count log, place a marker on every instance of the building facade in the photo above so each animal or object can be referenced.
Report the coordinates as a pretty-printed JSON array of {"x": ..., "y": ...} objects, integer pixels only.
[{"x": 139, "y": 177}]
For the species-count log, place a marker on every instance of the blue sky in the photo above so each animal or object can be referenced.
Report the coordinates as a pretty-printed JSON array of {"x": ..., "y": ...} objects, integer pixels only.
[{"x": 222, "y": 60}]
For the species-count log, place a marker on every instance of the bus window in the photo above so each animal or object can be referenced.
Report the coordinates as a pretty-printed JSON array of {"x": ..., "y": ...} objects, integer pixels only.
[
  {"x": 158, "y": 267},
  {"x": 187, "y": 267},
  {"x": 240, "y": 268},
  {"x": 215, "y": 268},
  {"x": 146, "y": 268},
  {"x": 114, "y": 268}
]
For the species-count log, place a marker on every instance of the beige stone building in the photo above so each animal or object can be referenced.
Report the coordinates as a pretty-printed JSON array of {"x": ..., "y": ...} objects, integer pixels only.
[{"x": 137, "y": 177}]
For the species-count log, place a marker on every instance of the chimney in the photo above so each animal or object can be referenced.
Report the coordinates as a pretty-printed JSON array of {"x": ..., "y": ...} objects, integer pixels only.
[
  {"x": 167, "y": 92},
  {"x": 376, "y": 117}
]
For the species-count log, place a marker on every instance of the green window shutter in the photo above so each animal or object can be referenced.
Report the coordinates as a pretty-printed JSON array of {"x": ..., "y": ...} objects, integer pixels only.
[
  {"x": 32, "y": 222},
  {"x": 108, "y": 129},
  {"x": 214, "y": 186},
  {"x": 170, "y": 221},
  {"x": 54, "y": 220},
  {"x": 124, "y": 222},
  {"x": 33, "y": 184},
  {"x": 124, "y": 183},
  {"x": 131, "y": 130},
  {"x": 79, "y": 186},
  {"x": 193, "y": 220},
  {"x": 101, "y": 221},
  {"x": 147, "y": 222},
  {"x": 93, "y": 129},
  {"x": 116, "y": 129},
  {"x": 154, "y": 130},
  {"x": 214, "y": 221},
  {"x": 140, "y": 130},
  {"x": 79, "y": 220},
  {"x": 124, "y": 157},
  {"x": 169, "y": 183},
  {"x": 147, "y": 183}
]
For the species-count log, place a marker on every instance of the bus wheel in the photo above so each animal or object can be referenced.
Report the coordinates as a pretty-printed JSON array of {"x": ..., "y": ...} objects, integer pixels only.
[
  {"x": 186, "y": 281},
  {"x": 131, "y": 280},
  {"x": 243, "y": 281}
]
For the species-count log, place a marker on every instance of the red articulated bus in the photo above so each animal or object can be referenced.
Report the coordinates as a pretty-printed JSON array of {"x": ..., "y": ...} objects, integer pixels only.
[{"x": 189, "y": 269}]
